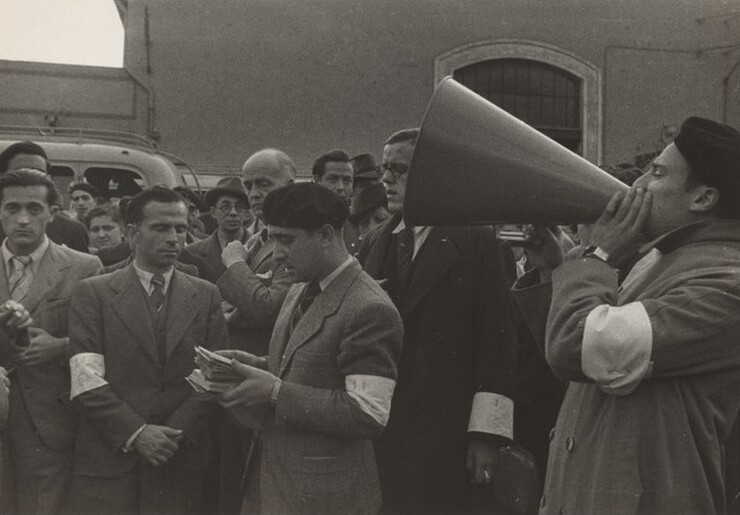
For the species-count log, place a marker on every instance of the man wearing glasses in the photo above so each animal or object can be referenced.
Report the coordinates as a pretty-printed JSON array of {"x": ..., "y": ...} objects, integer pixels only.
[
  {"x": 452, "y": 408},
  {"x": 229, "y": 205}
]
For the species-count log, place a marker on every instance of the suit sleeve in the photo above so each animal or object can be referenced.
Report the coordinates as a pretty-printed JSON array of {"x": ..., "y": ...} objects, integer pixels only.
[
  {"x": 494, "y": 345},
  {"x": 194, "y": 412},
  {"x": 368, "y": 354},
  {"x": 112, "y": 417},
  {"x": 688, "y": 329},
  {"x": 258, "y": 302}
]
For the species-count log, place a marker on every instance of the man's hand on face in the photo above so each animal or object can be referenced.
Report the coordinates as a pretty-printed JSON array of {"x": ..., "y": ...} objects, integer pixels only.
[
  {"x": 234, "y": 252},
  {"x": 546, "y": 251},
  {"x": 254, "y": 390},
  {"x": 157, "y": 444},
  {"x": 619, "y": 229},
  {"x": 43, "y": 347}
]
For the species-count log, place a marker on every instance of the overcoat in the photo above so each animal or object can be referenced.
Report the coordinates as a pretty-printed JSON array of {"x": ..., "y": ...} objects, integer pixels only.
[
  {"x": 459, "y": 341},
  {"x": 644, "y": 433}
]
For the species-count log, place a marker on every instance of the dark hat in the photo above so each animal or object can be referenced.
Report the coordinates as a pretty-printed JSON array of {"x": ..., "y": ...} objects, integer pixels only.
[
  {"x": 367, "y": 201},
  {"x": 365, "y": 167},
  {"x": 227, "y": 186},
  {"x": 712, "y": 149},
  {"x": 304, "y": 205}
]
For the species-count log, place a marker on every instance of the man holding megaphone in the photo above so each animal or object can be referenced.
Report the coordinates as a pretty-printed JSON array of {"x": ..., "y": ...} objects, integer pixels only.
[{"x": 654, "y": 362}]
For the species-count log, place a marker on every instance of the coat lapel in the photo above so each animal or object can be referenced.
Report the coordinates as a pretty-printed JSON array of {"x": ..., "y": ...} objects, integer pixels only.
[
  {"x": 281, "y": 333},
  {"x": 326, "y": 304},
  {"x": 48, "y": 275},
  {"x": 181, "y": 309},
  {"x": 261, "y": 255},
  {"x": 130, "y": 306},
  {"x": 432, "y": 261},
  {"x": 4, "y": 289},
  {"x": 373, "y": 264}
]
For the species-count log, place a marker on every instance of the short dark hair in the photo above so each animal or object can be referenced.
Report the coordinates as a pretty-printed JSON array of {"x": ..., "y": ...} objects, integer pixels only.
[
  {"x": 191, "y": 196},
  {"x": 22, "y": 147},
  {"x": 83, "y": 186},
  {"x": 26, "y": 177},
  {"x": 333, "y": 156},
  {"x": 107, "y": 210},
  {"x": 402, "y": 136},
  {"x": 135, "y": 209}
]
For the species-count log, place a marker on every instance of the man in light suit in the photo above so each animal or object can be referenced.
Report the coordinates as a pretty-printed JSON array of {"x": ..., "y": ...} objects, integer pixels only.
[
  {"x": 143, "y": 444},
  {"x": 453, "y": 408},
  {"x": 326, "y": 387},
  {"x": 40, "y": 275}
]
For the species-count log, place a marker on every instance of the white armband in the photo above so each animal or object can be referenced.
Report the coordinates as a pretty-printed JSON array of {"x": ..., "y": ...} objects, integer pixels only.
[
  {"x": 616, "y": 347},
  {"x": 88, "y": 372},
  {"x": 373, "y": 393},
  {"x": 492, "y": 413}
]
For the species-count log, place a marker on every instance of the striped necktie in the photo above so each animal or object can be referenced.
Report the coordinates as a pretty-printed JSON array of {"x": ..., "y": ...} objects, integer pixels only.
[
  {"x": 157, "y": 295},
  {"x": 20, "y": 279}
]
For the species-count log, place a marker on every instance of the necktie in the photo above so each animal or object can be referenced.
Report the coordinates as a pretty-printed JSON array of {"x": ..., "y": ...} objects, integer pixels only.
[
  {"x": 309, "y": 294},
  {"x": 404, "y": 255},
  {"x": 20, "y": 279},
  {"x": 157, "y": 295}
]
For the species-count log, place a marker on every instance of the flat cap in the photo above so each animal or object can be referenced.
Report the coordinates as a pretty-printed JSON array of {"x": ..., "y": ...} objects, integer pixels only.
[
  {"x": 304, "y": 205},
  {"x": 712, "y": 149}
]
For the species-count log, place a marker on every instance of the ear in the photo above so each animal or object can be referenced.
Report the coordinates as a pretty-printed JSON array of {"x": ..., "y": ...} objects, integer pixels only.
[
  {"x": 704, "y": 199},
  {"x": 328, "y": 233}
]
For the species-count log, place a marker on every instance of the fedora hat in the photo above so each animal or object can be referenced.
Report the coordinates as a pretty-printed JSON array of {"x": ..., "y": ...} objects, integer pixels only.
[
  {"x": 227, "y": 186},
  {"x": 365, "y": 167},
  {"x": 367, "y": 201}
]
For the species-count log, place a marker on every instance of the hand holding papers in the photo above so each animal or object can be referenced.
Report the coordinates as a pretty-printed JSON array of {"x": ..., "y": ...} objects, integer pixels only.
[{"x": 214, "y": 373}]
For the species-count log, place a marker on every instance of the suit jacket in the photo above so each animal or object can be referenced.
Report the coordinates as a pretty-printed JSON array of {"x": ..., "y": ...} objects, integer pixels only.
[
  {"x": 459, "y": 342},
  {"x": 209, "y": 250},
  {"x": 110, "y": 320},
  {"x": 317, "y": 454},
  {"x": 257, "y": 289},
  {"x": 45, "y": 387}
]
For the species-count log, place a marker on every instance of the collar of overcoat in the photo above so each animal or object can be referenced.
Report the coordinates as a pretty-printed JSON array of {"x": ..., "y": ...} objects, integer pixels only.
[
  {"x": 286, "y": 343},
  {"x": 49, "y": 274},
  {"x": 131, "y": 308}
]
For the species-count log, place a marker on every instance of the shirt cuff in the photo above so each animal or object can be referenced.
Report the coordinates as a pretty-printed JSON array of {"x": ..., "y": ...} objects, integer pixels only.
[
  {"x": 130, "y": 442},
  {"x": 492, "y": 413}
]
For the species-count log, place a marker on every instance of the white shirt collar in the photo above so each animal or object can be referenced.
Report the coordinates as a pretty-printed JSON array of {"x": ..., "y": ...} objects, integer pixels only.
[
  {"x": 36, "y": 255},
  {"x": 146, "y": 278},
  {"x": 420, "y": 234},
  {"x": 326, "y": 281}
]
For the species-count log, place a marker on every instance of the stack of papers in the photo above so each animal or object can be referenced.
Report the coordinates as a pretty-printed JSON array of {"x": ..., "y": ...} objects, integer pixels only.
[{"x": 214, "y": 373}]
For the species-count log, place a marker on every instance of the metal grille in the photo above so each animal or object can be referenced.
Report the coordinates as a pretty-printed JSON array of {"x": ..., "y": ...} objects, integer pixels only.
[{"x": 545, "y": 97}]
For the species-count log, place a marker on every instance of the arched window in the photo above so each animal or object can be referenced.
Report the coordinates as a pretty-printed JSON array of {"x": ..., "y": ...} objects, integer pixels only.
[
  {"x": 551, "y": 89},
  {"x": 544, "y": 96}
]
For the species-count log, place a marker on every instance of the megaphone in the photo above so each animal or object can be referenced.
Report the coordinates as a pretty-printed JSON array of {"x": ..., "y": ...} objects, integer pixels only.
[{"x": 474, "y": 163}]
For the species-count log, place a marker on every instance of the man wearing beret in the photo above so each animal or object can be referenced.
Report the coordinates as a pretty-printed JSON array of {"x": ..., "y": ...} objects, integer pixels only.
[
  {"x": 326, "y": 387},
  {"x": 654, "y": 362},
  {"x": 453, "y": 408}
]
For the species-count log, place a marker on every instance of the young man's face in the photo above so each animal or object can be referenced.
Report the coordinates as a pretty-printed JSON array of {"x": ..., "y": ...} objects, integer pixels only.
[
  {"x": 24, "y": 213},
  {"x": 298, "y": 250},
  {"x": 338, "y": 177},
  {"x": 160, "y": 236},
  {"x": 396, "y": 163},
  {"x": 667, "y": 180},
  {"x": 83, "y": 203}
]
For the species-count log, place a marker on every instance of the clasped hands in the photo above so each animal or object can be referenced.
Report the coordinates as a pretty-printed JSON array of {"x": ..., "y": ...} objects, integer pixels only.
[{"x": 257, "y": 385}]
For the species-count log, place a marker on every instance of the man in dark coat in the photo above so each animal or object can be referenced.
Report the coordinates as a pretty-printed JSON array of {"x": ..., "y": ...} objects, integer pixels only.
[{"x": 453, "y": 406}]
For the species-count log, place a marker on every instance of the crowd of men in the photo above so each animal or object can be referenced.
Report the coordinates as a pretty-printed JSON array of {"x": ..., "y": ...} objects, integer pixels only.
[{"x": 380, "y": 367}]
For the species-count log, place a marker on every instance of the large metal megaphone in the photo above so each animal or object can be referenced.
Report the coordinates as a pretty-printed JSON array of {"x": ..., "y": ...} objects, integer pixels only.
[{"x": 474, "y": 163}]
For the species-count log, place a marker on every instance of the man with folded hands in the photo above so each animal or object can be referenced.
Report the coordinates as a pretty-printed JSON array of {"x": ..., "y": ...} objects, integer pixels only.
[
  {"x": 326, "y": 387},
  {"x": 143, "y": 442}
]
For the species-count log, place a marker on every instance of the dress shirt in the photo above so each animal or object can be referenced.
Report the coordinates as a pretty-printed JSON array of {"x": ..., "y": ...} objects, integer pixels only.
[
  {"x": 146, "y": 279},
  {"x": 36, "y": 256},
  {"x": 421, "y": 232}
]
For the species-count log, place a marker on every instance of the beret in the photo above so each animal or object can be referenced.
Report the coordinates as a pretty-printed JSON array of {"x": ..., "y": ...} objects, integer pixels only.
[
  {"x": 304, "y": 205},
  {"x": 712, "y": 149}
]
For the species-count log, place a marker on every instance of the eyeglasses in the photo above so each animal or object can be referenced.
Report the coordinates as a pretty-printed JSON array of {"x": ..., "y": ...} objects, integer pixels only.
[
  {"x": 226, "y": 208},
  {"x": 395, "y": 169}
]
